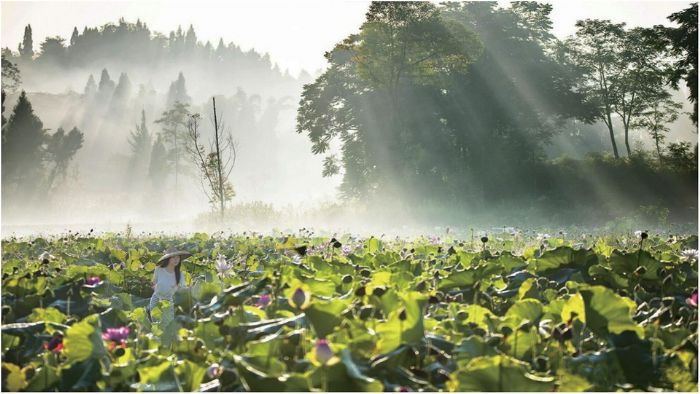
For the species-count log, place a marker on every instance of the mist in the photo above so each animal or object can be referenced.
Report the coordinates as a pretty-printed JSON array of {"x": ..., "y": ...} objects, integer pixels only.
[{"x": 107, "y": 80}]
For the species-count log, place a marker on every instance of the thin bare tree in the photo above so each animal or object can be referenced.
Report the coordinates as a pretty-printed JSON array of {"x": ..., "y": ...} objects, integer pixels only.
[{"x": 217, "y": 162}]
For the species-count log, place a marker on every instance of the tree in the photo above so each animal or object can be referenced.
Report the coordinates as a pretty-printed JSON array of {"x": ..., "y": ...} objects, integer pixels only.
[
  {"x": 596, "y": 48},
  {"x": 121, "y": 96},
  {"x": 53, "y": 49},
  {"x": 423, "y": 97},
  {"x": 682, "y": 157},
  {"x": 22, "y": 139},
  {"x": 26, "y": 48},
  {"x": 401, "y": 48},
  {"x": 662, "y": 111},
  {"x": 90, "y": 87},
  {"x": 190, "y": 40},
  {"x": 158, "y": 166},
  {"x": 10, "y": 75},
  {"x": 643, "y": 76},
  {"x": 140, "y": 143},
  {"x": 105, "y": 88},
  {"x": 60, "y": 150},
  {"x": 177, "y": 92},
  {"x": 174, "y": 124},
  {"x": 216, "y": 165},
  {"x": 74, "y": 37},
  {"x": 684, "y": 45}
]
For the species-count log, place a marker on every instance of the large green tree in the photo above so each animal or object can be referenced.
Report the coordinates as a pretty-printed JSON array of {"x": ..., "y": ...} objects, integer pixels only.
[
  {"x": 402, "y": 50},
  {"x": 422, "y": 99},
  {"x": 624, "y": 70},
  {"x": 684, "y": 44},
  {"x": 22, "y": 154},
  {"x": 596, "y": 49}
]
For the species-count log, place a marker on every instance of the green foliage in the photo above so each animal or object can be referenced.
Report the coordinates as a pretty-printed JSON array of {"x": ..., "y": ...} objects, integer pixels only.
[{"x": 556, "y": 318}]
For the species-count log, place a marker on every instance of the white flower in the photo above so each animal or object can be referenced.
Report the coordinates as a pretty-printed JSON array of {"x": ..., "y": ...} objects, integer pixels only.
[
  {"x": 222, "y": 266},
  {"x": 296, "y": 259},
  {"x": 689, "y": 254},
  {"x": 45, "y": 256},
  {"x": 214, "y": 371},
  {"x": 541, "y": 237},
  {"x": 638, "y": 233}
]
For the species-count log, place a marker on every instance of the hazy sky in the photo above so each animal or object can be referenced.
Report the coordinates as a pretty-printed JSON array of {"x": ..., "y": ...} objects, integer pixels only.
[{"x": 295, "y": 33}]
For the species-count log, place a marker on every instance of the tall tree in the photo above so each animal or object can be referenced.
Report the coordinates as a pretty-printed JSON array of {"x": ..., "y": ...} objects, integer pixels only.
[
  {"x": 401, "y": 48},
  {"x": 215, "y": 165},
  {"x": 121, "y": 97},
  {"x": 174, "y": 124},
  {"x": 190, "y": 40},
  {"x": 22, "y": 154},
  {"x": 656, "y": 116},
  {"x": 60, "y": 150},
  {"x": 684, "y": 44},
  {"x": 643, "y": 74},
  {"x": 105, "y": 88},
  {"x": 177, "y": 92},
  {"x": 596, "y": 47},
  {"x": 158, "y": 164},
  {"x": 140, "y": 143},
  {"x": 90, "y": 87},
  {"x": 26, "y": 48},
  {"x": 74, "y": 37}
]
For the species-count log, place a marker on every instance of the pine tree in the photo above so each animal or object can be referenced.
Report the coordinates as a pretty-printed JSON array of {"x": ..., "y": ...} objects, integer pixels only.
[
  {"x": 26, "y": 49},
  {"x": 157, "y": 168},
  {"x": 90, "y": 87},
  {"x": 140, "y": 143},
  {"x": 220, "y": 50},
  {"x": 121, "y": 96},
  {"x": 140, "y": 139},
  {"x": 190, "y": 40},
  {"x": 106, "y": 86},
  {"x": 23, "y": 137},
  {"x": 74, "y": 37},
  {"x": 177, "y": 92}
]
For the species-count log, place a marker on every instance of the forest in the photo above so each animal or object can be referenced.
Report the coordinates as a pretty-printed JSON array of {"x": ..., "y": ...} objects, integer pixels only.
[
  {"x": 460, "y": 200},
  {"x": 499, "y": 122}
]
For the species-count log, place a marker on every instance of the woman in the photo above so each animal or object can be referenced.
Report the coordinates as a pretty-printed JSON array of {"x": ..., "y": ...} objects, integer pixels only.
[{"x": 167, "y": 278}]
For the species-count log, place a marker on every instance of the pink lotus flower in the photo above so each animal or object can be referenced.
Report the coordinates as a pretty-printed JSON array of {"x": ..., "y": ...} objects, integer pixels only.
[
  {"x": 116, "y": 336},
  {"x": 263, "y": 301},
  {"x": 693, "y": 300},
  {"x": 323, "y": 351},
  {"x": 346, "y": 249},
  {"x": 55, "y": 344},
  {"x": 93, "y": 280}
]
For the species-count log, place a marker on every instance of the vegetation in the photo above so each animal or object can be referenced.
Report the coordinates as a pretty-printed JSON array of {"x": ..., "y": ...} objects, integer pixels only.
[
  {"x": 510, "y": 311},
  {"x": 422, "y": 118}
]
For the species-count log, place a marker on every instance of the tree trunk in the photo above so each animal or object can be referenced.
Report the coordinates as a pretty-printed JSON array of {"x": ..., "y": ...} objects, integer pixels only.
[
  {"x": 218, "y": 162},
  {"x": 612, "y": 137},
  {"x": 627, "y": 142},
  {"x": 658, "y": 148}
]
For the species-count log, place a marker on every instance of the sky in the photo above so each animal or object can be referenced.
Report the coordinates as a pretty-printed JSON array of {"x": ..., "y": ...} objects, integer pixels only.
[{"x": 295, "y": 33}]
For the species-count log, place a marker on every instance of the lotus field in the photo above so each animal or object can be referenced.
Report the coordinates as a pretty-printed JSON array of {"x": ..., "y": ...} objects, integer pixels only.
[{"x": 511, "y": 311}]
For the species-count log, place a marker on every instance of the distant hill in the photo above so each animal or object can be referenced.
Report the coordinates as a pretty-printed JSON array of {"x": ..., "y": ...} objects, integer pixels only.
[{"x": 58, "y": 64}]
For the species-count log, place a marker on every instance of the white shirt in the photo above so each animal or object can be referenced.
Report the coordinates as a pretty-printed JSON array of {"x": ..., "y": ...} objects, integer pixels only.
[{"x": 165, "y": 283}]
